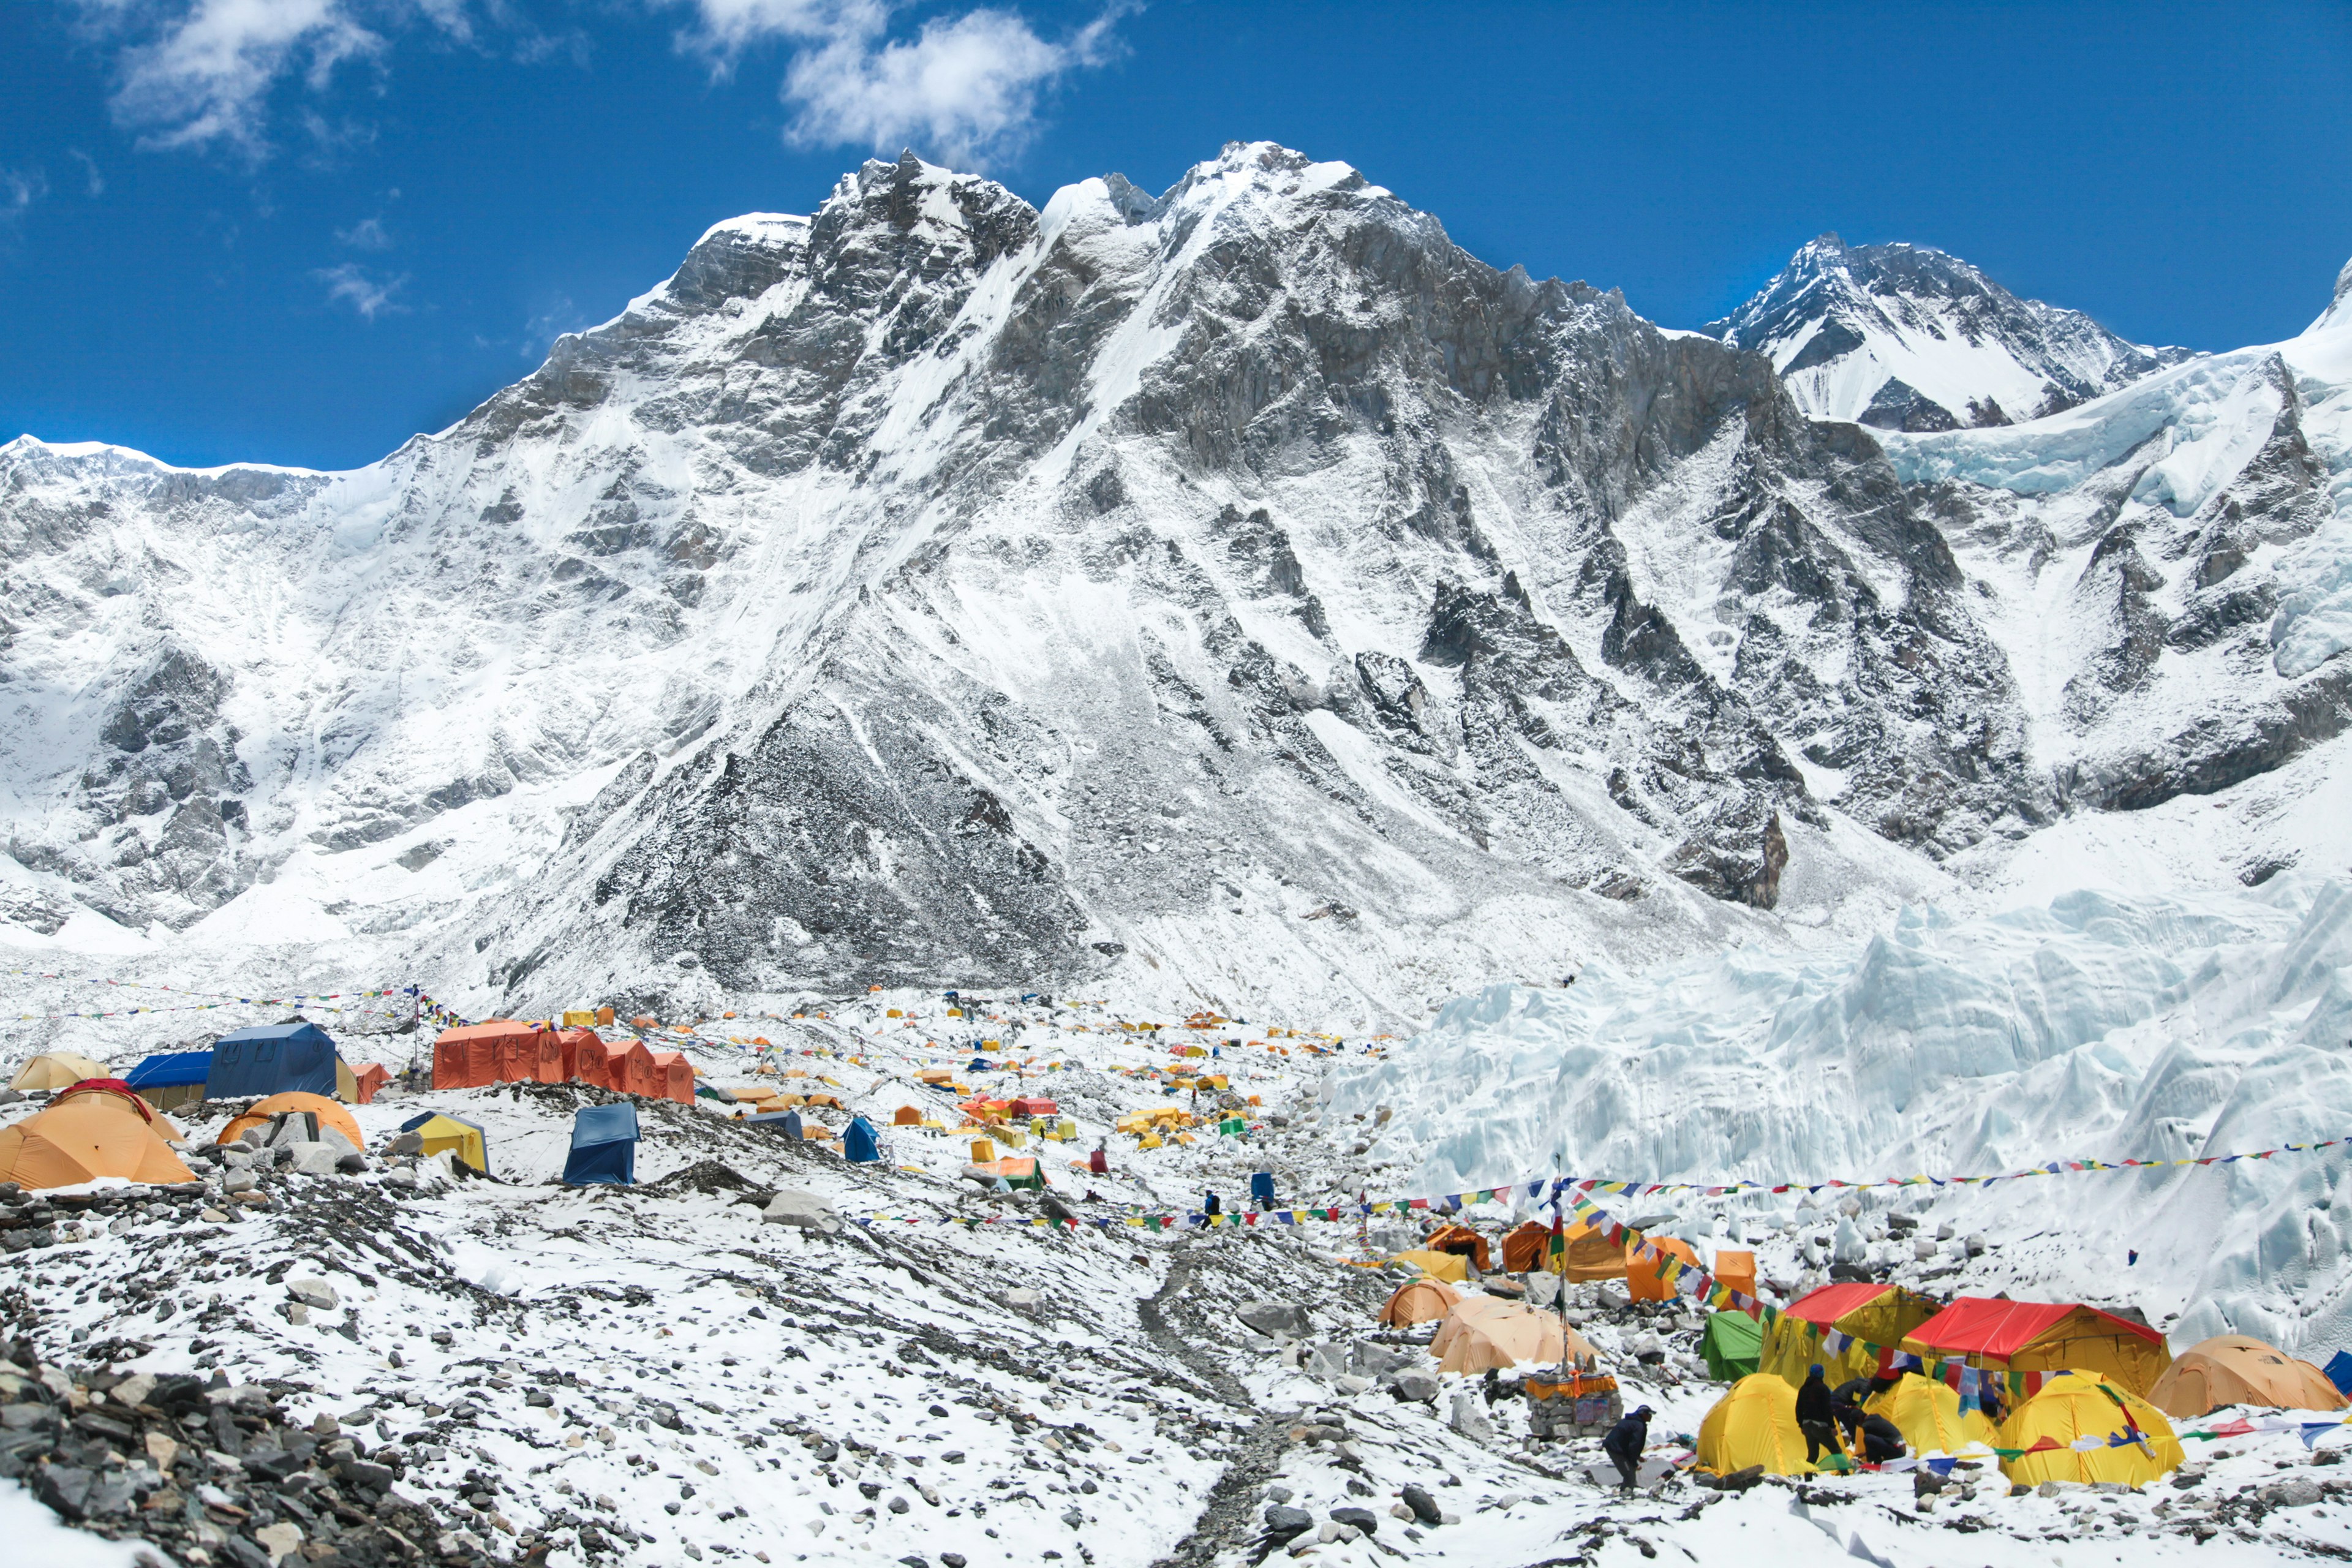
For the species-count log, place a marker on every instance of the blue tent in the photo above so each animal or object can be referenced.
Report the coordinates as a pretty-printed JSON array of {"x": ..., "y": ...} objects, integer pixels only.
[
  {"x": 603, "y": 1145},
  {"x": 787, "y": 1123},
  {"x": 2340, "y": 1371},
  {"x": 1262, "y": 1188},
  {"x": 277, "y": 1058},
  {"x": 859, "y": 1144},
  {"x": 175, "y": 1070},
  {"x": 978, "y": 1064}
]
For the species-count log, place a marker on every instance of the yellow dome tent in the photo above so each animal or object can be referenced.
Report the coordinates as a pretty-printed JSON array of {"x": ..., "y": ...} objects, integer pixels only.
[
  {"x": 2074, "y": 1405},
  {"x": 1755, "y": 1423},
  {"x": 1929, "y": 1415},
  {"x": 54, "y": 1070},
  {"x": 1444, "y": 1266},
  {"x": 460, "y": 1137},
  {"x": 2232, "y": 1369}
]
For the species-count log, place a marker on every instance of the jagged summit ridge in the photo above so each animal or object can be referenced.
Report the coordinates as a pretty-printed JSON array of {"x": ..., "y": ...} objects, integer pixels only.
[
  {"x": 1903, "y": 337},
  {"x": 1242, "y": 586}
]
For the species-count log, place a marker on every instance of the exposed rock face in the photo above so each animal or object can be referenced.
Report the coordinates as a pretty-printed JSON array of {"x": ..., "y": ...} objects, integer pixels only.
[
  {"x": 1901, "y": 336},
  {"x": 1245, "y": 580}
]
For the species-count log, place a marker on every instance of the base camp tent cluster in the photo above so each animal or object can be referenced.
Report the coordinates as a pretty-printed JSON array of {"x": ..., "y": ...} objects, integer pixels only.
[{"x": 475, "y": 1056}]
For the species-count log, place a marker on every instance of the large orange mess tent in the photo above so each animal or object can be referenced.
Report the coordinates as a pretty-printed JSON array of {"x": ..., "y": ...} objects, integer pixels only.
[
  {"x": 1422, "y": 1300},
  {"x": 2232, "y": 1368},
  {"x": 82, "y": 1137},
  {"x": 1872, "y": 1314},
  {"x": 1588, "y": 1254},
  {"x": 474, "y": 1056},
  {"x": 265, "y": 1111},
  {"x": 2044, "y": 1336}
]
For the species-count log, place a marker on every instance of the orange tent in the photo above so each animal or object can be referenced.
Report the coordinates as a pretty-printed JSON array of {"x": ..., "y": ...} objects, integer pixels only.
[
  {"x": 2232, "y": 1368},
  {"x": 1523, "y": 1249},
  {"x": 477, "y": 1054},
  {"x": 1737, "y": 1269},
  {"x": 674, "y": 1077},
  {"x": 1642, "y": 1280},
  {"x": 908, "y": 1116},
  {"x": 367, "y": 1080},
  {"x": 633, "y": 1073},
  {"x": 584, "y": 1049},
  {"x": 1463, "y": 1242},
  {"x": 328, "y": 1113},
  {"x": 1421, "y": 1301},
  {"x": 81, "y": 1137},
  {"x": 551, "y": 1056}
]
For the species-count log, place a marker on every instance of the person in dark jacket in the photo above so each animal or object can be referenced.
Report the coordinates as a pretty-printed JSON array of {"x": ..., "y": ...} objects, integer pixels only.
[
  {"x": 1211, "y": 1204},
  {"x": 1881, "y": 1439},
  {"x": 1817, "y": 1414},
  {"x": 1624, "y": 1445}
]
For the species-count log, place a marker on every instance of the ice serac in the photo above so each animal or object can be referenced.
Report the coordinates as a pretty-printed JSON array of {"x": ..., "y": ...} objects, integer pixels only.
[
  {"x": 1901, "y": 336},
  {"x": 1242, "y": 589}
]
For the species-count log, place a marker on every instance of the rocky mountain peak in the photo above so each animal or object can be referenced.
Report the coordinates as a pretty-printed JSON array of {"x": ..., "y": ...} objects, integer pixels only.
[{"x": 1905, "y": 337}]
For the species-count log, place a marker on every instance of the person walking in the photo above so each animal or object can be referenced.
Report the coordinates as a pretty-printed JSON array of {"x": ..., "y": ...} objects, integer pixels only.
[
  {"x": 1817, "y": 1414},
  {"x": 1624, "y": 1445}
]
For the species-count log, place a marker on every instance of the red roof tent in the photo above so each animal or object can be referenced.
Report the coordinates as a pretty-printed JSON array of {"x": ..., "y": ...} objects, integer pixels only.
[
  {"x": 1979, "y": 1325},
  {"x": 1825, "y": 1305}
]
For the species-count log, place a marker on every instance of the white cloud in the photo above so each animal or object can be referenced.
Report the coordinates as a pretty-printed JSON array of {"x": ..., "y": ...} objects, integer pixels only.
[
  {"x": 89, "y": 170},
  {"x": 965, "y": 87},
  {"x": 19, "y": 189},
  {"x": 194, "y": 73},
  {"x": 350, "y": 284},
  {"x": 365, "y": 234}
]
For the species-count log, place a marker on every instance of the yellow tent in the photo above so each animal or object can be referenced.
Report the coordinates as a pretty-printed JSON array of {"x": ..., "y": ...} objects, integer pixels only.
[
  {"x": 1437, "y": 1264},
  {"x": 2232, "y": 1369},
  {"x": 1929, "y": 1417},
  {"x": 1755, "y": 1423},
  {"x": 54, "y": 1070},
  {"x": 1874, "y": 1314},
  {"x": 461, "y": 1138},
  {"x": 103, "y": 1132},
  {"x": 2078, "y": 1404}
]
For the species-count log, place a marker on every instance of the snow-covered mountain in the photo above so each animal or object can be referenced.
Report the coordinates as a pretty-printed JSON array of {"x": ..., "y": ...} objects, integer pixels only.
[
  {"x": 1901, "y": 336},
  {"x": 1242, "y": 592}
]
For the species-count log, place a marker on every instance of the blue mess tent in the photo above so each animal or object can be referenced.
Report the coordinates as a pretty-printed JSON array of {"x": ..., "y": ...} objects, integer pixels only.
[
  {"x": 603, "y": 1145},
  {"x": 859, "y": 1145},
  {"x": 275, "y": 1058},
  {"x": 2340, "y": 1371},
  {"x": 170, "y": 1080}
]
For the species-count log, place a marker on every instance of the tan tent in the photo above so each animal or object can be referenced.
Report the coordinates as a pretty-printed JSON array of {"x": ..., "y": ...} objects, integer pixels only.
[
  {"x": 1436, "y": 1265},
  {"x": 1501, "y": 1336},
  {"x": 84, "y": 1137},
  {"x": 54, "y": 1070},
  {"x": 1422, "y": 1300},
  {"x": 2232, "y": 1369}
]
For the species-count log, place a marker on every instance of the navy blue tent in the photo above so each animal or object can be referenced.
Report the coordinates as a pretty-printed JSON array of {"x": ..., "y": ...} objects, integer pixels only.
[
  {"x": 175, "y": 1070},
  {"x": 859, "y": 1144},
  {"x": 978, "y": 1064},
  {"x": 277, "y": 1058},
  {"x": 603, "y": 1145},
  {"x": 787, "y": 1123},
  {"x": 2340, "y": 1371},
  {"x": 1262, "y": 1188}
]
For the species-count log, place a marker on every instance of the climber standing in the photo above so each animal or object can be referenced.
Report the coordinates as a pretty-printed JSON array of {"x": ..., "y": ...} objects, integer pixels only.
[{"x": 1817, "y": 1414}]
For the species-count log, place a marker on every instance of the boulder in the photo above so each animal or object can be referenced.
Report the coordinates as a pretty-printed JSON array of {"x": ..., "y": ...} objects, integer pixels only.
[
  {"x": 1425, "y": 1506},
  {"x": 2300, "y": 1492},
  {"x": 314, "y": 1159},
  {"x": 312, "y": 1292},
  {"x": 1274, "y": 1318},
  {"x": 1415, "y": 1387},
  {"x": 804, "y": 1211},
  {"x": 1469, "y": 1418}
]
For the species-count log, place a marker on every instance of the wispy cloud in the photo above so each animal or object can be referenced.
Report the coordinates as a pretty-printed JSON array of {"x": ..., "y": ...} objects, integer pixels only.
[
  {"x": 19, "y": 189},
  {"x": 96, "y": 181},
  {"x": 350, "y": 284},
  {"x": 365, "y": 234},
  {"x": 200, "y": 73},
  {"x": 539, "y": 333},
  {"x": 965, "y": 87}
]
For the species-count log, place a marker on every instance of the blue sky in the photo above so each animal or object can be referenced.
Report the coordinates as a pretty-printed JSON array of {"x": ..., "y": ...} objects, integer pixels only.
[{"x": 298, "y": 231}]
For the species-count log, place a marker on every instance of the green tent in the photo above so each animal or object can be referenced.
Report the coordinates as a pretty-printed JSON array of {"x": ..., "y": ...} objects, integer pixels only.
[{"x": 1733, "y": 1345}]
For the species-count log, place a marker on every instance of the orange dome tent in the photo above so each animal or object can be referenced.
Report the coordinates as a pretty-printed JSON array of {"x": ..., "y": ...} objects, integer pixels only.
[
  {"x": 81, "y": 1137},
  {"x": 328, "y": 1113},
  {"x": 1422, "y": 1300},
  {"x": 1463, "y": 1242},
  {"x": 2232, "y": 1368}
]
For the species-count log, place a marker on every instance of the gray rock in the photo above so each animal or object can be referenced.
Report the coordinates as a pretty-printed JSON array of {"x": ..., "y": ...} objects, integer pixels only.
[
  {"x": 1360, "y": 1519},
  {"x": 313, "y": 1159},
  {"x": 1468, "y": 1417},
  {"x": 803, "y": 1210},
  {"x": 1415, "y": 1387},
  {"x": 2300, "y": 1492},
  {"x": 1283, "y": 1519},
  {"x": 312, "y": 1292},
  {"x": 240, "y": 1182},
  {"x": 1275, "y": 1317},
  {"x": 407, "y": 1143}
]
